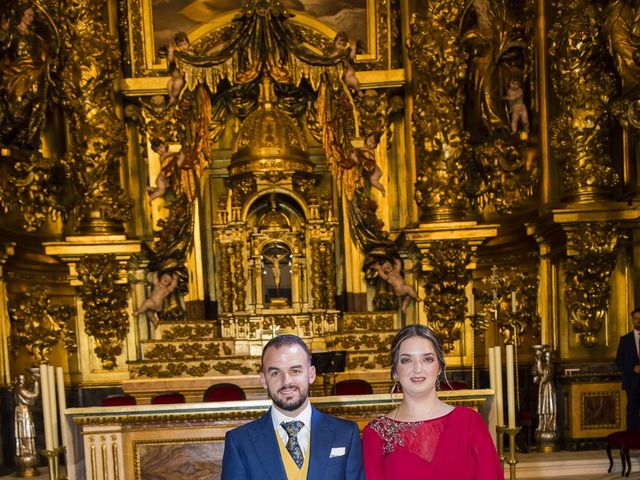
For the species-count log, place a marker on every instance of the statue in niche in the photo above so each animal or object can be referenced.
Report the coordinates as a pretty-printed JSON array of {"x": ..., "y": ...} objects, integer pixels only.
[
  {"x": 497, "y": 52},
  {"x": 25, "y": 431},
  {"x": 392, "y": 274},
  {"x": 517, "y": 108},
  {"x": 25, "y": 59},
  {"x": 278, "y": 292},
  {"x": 163, "y": 286}
]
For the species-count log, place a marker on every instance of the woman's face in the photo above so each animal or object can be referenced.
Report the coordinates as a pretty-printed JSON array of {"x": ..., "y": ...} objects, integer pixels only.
[{"x": 418, "y": 367}]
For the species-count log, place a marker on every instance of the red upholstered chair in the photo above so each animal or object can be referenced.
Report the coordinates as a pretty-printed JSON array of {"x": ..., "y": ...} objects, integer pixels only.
[
  {"x": 615, "y": 440},
  {"x": 456, "y": 385},
  {"x": 630, "y": 441},
  {"x": 118, "y": 400},
  {"x": 224, "y": 392},
  {"x": 167, "y": 397},
  {"x": 352, "y": 387}
]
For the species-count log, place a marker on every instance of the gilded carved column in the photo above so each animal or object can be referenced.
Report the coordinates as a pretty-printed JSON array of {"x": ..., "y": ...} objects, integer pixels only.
[
  {"x": 239, "y": 280},
  {"x": 224, "y": 278},
  {"x": 90, "y": 73},
  {"x": 584, "y": 86},
  {"x": 439, "y": 67}
]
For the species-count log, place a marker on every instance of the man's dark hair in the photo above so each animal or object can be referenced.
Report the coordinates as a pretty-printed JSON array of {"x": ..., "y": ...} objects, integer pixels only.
[
  {"x": 635, "y": 310},
  {"x": 285, "y": 341}
]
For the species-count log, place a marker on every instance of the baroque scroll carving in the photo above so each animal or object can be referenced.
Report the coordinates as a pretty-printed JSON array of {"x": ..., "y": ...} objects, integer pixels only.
[
  {"x": 445, "y": 301},
  {"x": 105, "y": 305},
  {"x": 38, "y": 325}
]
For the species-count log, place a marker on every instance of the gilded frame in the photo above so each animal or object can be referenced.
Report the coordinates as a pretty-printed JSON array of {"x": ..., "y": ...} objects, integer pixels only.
[{"x": 136, "y": 25}]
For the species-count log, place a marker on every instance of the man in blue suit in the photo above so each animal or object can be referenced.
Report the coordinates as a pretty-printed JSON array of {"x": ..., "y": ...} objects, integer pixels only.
[
  {"x": 628, "y": 362},
  {"x": 293, "y": 440}
]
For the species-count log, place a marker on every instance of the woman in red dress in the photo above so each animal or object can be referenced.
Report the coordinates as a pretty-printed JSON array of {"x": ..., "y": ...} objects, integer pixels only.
[{"x": 425, "y": 438}]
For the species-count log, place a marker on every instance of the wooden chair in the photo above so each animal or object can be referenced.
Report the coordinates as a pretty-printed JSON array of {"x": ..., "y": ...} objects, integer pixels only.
[
  {"x": 615, "y": 441},
  {"x": 224, "y": 392}
]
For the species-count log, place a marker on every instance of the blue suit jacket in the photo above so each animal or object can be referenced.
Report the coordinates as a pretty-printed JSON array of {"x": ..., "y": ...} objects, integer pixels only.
[
  {"x": 626, "y": 359},
  {"x": 251, "y": 451}
]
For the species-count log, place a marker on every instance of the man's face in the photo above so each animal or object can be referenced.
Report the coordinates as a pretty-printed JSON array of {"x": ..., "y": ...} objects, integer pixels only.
[
  {"x": 287, "y": 374},
  {"x": 635, "y": 319}
]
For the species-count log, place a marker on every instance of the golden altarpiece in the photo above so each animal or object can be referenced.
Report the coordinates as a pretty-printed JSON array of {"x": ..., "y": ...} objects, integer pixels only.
[{"x": 183, "y": 180}]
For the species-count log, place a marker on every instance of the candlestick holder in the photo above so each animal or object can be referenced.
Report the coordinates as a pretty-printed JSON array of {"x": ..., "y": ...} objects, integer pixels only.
[
  {"x": 53, "y": 461},
  {"x": 512, "y": 460},
  {"x": 500, "y": 429}
]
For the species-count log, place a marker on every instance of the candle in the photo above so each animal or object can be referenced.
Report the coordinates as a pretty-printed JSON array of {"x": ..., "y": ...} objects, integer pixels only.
[
  {"x": 511, "y": 387},
  {"x": 53, "y": 408},
  {"x": 513, "y": 302},
  {"x": 472, "y": 306},
  {"x": 492, "y": 370},
  {"x": 62, "y": 402},
  {"x": 44, "y": 388},
  {"x": 497, "y": 353}
]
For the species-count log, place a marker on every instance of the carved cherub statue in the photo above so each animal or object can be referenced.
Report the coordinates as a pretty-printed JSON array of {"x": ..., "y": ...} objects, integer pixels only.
[
  {"x": 391, "y": 273},
  {"x": 365, "y": 157},
  {"x": 176, "y": 82},
  {"x": 517, "y": 108},
  {"x": 167, "y": 162},
  {"x": 163, "y": 285},
  {"x": 339, "y": 45}
]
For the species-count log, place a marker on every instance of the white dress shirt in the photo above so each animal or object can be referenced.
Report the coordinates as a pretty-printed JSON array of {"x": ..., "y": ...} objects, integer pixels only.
[{"x": 304, "y": 435}]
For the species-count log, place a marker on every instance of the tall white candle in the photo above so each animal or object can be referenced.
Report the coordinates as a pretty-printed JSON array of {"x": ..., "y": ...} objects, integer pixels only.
[
  {"x": 472, "y": 305},
  {"x": 53, "y": 406},
  {"x": 62, "y": 402},
  {"x": 46, "y": 405},
  {"x": 511, "y": 387},
  {"x": 513, "y": 302},
  {"x": 492, "y": 370},
  {"x": 497, "y": 353}
]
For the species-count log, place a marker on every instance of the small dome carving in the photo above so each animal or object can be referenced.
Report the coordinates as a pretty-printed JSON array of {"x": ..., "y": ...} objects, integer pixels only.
[{"x": 269, "y": 141}]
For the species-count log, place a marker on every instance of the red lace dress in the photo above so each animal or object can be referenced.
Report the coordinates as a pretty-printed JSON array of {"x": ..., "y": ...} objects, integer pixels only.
[{"x": 456, "y": 446}]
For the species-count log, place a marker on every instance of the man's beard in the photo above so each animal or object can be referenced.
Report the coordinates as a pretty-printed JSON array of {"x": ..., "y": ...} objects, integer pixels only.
[{"x": 288, "y": 405}]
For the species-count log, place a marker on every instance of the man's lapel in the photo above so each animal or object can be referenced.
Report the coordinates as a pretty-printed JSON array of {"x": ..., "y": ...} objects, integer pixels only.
[
  {"x": 321, "y": 443},
  {"x": 266, "y": 443}
]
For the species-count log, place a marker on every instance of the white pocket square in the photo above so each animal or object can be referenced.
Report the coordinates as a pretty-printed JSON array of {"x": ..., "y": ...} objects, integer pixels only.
[{"x": 337, "y": 452}]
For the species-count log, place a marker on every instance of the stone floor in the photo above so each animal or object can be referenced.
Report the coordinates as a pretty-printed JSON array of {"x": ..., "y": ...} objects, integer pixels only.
[{"x": 587, "y": 465}]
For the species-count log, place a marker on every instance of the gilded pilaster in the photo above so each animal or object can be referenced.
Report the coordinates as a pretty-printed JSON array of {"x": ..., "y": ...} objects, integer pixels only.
[
  {"x": 101, "y": 269},
  {"x": 6, "y": 250}
]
